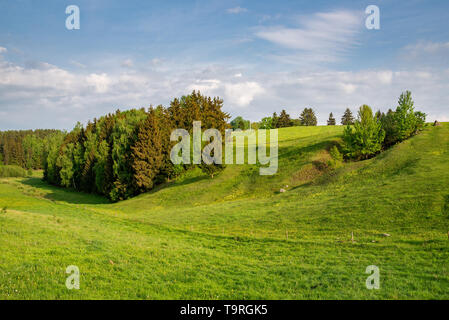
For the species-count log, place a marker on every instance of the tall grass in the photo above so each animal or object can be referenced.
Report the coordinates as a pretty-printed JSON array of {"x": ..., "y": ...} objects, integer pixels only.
[{"x": 12, "y": 171}]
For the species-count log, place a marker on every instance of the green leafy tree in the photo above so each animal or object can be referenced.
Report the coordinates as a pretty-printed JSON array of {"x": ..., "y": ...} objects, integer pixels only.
[
  {"x": 65, "y": 163},
  {"x": 366, "y": 137},
  {"x": 240, "y": 123},
  {"x": 404, "y": 122},
  {"x": 274, "y": 120},
  {"x": 266, "y": 123},
  {"x": 308, "y": 117},
  {"x": 388, "y": 122}
]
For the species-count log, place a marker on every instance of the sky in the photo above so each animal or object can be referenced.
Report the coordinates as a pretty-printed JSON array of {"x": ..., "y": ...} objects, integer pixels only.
[{"x": 258, "y": 56}]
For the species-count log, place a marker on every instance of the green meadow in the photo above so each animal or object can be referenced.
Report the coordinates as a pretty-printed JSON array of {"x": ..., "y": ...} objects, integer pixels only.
[{"x": 236, "y": 236}]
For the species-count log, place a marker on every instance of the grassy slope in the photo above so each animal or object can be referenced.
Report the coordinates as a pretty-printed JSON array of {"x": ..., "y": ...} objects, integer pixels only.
[{"x": 226, "y": 237}]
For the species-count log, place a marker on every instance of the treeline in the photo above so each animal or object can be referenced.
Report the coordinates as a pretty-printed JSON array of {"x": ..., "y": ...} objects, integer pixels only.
[
  {"x": 283, "y": 120},
  {"x": 24, "y": 148},
  {"x": 126, "y": 153}
]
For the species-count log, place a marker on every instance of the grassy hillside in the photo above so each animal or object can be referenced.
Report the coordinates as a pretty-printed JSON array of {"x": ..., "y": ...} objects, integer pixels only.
[{"x": 226, "y": 238}]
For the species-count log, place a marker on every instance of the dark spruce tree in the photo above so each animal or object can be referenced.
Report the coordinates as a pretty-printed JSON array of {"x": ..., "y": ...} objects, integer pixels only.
[
  {"x": 147, "y": 155},
  {"x": 331, "y": 121},
  {"x": 308, "y": 117},
  {"x": 284, "y": 120},
  {"x": 348, "y": 118}
]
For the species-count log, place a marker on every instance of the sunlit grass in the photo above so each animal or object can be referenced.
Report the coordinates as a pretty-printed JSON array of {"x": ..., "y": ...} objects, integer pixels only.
[{"x": 226, "y": 238}]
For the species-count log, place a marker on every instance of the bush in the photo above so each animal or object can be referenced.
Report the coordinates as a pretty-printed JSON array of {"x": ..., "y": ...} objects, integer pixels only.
[
  {"x": 211, "y": 169},
  {"x": 12, "y": 171},
  {"x": 365, "y": 139},
  {"x": 337, "y": 157}
]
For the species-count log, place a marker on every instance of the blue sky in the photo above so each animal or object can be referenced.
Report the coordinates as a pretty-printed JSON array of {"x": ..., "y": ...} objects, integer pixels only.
[{"x": 259, "y": 56}]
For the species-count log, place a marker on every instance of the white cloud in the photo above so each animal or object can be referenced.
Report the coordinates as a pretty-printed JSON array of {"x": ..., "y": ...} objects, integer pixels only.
[
  {"x": 53, "y": 97},
  {"x": 236, "y": 10},
  {"x": 323, "y": 36},
  {"x": 3, "y": 50},
  {"x": 242, "y": 94},
  {"x": 385, "y": 77},
  {"x": 205, "y": 86},
  {"x": 348, "y": 87},
  {"x": 128, "y": 63},
  {"x": 100, "y": 82}
]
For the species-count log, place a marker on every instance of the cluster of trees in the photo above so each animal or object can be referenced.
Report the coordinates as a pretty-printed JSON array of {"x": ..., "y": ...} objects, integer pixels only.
[
  {"x": 24, "y": 148},
  {"x": 363, "y": 137},
  {"x": 126, "y": 153},
  {"x": 372, "y": 133},
  {"x": 240, "y": 123},
  {"x": 306, "y": 118}
]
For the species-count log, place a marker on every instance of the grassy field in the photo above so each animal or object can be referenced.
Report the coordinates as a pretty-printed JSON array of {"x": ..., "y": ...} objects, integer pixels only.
[{"x": 226, "y": 238}]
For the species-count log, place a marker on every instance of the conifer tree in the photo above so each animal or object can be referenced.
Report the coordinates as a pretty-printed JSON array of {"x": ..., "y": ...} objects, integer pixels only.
[
  {"x": 308, "y": 118},
  {"x": 348, "y": 118},
  {"x": 284, "y": 120},
  {"x": 331, "y": 121},
  {"x": 147, "y": 155}
]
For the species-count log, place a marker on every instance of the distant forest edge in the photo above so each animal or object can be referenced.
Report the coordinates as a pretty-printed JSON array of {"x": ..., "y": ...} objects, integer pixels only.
[
  {"x": 25, "y": 148},
  {"x": 127, "y": 153}
]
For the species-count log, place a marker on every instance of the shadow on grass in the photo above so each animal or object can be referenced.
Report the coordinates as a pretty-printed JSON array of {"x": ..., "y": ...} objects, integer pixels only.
[
  {"x": 54, "y": 193},
  {"x": 170, "y": 184},
  {"x": 69, "y": 195}
]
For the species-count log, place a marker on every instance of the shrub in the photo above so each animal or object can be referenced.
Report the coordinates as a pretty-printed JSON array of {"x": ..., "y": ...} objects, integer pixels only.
[
  {"x": 211, "y": 169},
  {"x": 337, "y": 157},
  {"x": 366, "y": 137},
  {"x": 12, "y": 171}
]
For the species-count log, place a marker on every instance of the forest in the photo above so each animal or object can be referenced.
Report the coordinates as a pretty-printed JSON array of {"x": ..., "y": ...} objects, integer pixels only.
[
  {"x": 25, "y": 148},
  {"x": 127, "y": 153}
]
